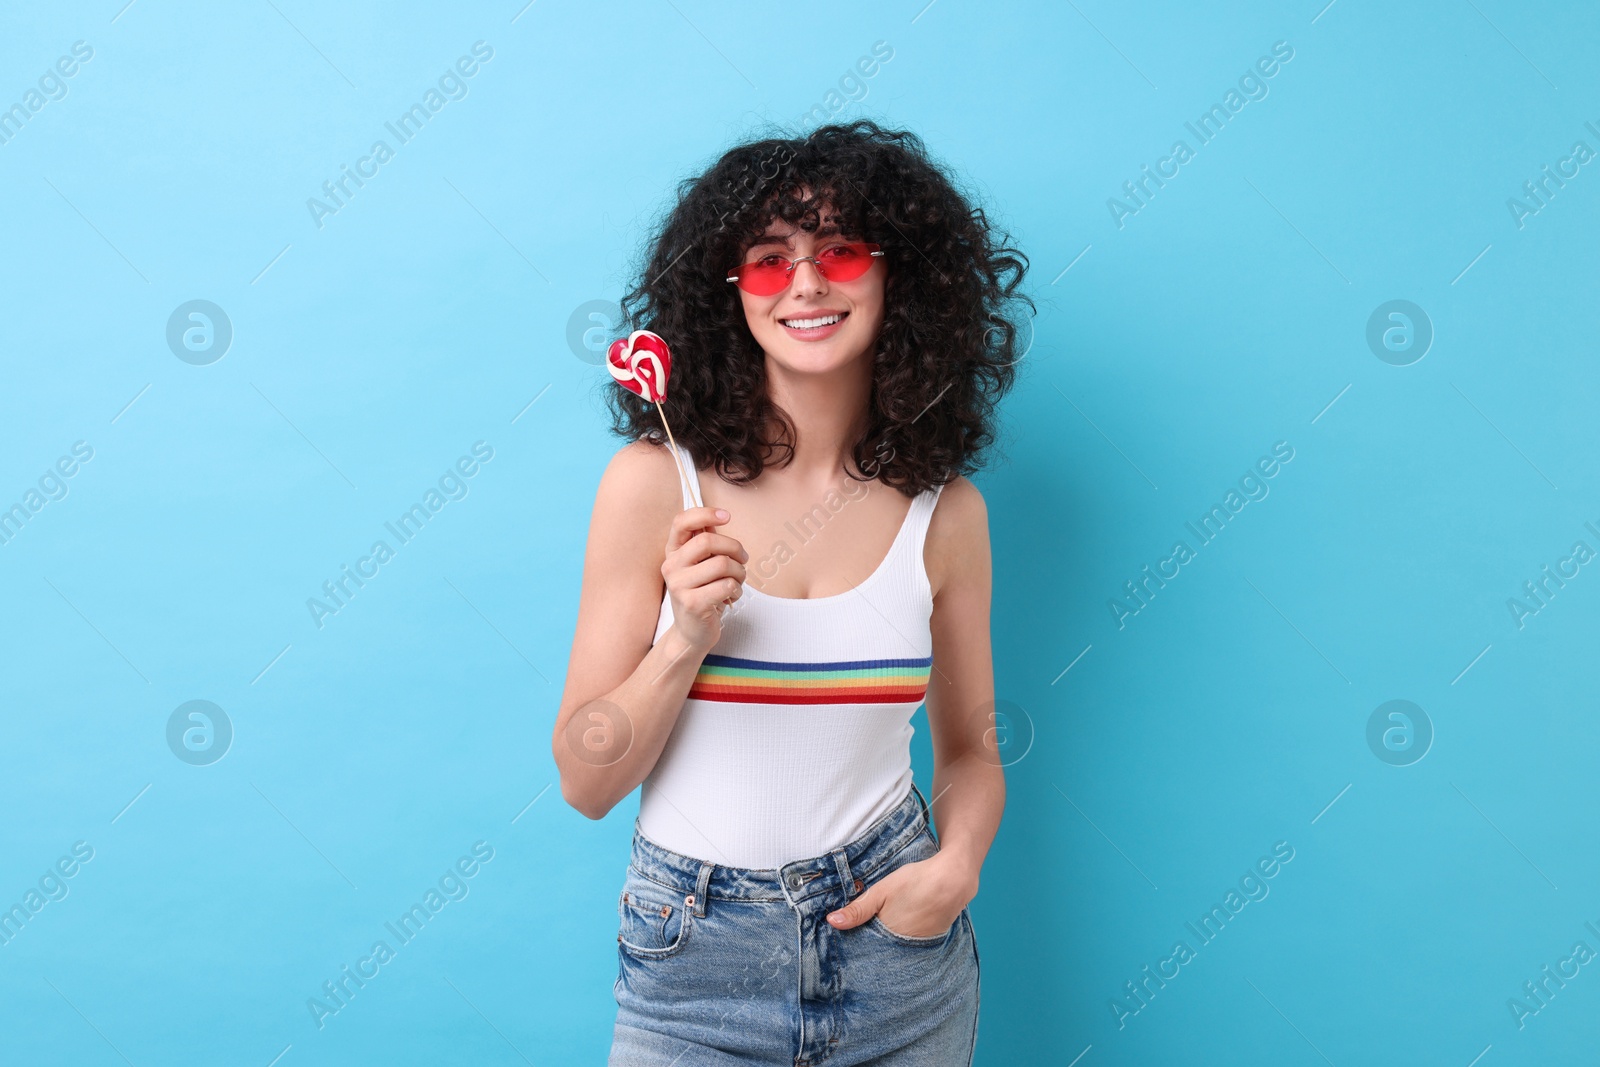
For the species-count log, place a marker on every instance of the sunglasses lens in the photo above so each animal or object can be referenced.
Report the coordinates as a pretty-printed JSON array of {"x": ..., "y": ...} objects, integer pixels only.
[
  {"x": 763, "y": 278},
  {"x": 844, "y": 263}
]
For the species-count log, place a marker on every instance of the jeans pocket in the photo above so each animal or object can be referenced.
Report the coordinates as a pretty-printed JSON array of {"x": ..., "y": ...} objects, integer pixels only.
[
  {"x": 652, "y": 919},
  {"x": 905, "y": 939}
]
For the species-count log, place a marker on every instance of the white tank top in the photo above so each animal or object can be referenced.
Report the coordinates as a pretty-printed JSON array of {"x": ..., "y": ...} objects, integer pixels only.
[{"x": 796, "y": 734}]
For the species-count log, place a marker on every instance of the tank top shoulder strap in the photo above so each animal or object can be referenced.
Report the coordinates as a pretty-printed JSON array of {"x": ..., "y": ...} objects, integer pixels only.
[
  {"x": 914, "y": 536},
  {"x": 691, "y": 491},
  {"x": 926, "y": 501}
]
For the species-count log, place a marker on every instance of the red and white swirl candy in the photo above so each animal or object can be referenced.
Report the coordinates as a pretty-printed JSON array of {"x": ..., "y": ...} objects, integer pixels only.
[{"x": 641, "y": 363}]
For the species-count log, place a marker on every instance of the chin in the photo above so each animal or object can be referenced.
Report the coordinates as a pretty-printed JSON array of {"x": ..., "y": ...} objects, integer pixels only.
[{"x": 814, "y": 358}]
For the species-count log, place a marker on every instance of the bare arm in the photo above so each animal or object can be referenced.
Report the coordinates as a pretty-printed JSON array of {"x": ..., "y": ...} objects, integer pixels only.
[
  {"x": 623, "y": 694},
  {"x": 922, "y": 899},
  {"x": 969, "y": 786}
]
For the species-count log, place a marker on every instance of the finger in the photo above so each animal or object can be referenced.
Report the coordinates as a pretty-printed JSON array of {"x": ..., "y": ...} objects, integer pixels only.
[
  {"x": 706, "y": 544},
  {"x": 857, "y": 911},
  {"x": 687, "y": 579},
  {"x": 716, "y": 598},
  {"x": 691, "y": 521},
  {"x": 730, "y": 591}
]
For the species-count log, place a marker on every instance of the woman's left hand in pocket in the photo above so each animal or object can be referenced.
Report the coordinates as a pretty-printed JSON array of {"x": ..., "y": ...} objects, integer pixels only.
[{"x": 920, "y": 899}]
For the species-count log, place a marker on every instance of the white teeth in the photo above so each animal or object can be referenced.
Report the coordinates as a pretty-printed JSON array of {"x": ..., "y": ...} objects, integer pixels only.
[{"x": 810, "y": 324}]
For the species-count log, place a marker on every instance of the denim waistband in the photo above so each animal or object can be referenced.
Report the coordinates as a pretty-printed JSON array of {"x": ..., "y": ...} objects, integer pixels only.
[{"x": 845, "y": 868}]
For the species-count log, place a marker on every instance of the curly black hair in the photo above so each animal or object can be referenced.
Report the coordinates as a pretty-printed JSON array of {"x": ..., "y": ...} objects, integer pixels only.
[{"x": 947, "y": 347}]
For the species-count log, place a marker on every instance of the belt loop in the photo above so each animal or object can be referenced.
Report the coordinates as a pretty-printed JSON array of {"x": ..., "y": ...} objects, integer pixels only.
[
  {"x": 847, "y": 881},
  {"x": 927, "y": 816},
  {"x": 697, "y": 900}
]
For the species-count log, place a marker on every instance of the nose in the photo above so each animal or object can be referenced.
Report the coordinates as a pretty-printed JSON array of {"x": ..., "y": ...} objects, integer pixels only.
[{"x": 807, "y": 278}]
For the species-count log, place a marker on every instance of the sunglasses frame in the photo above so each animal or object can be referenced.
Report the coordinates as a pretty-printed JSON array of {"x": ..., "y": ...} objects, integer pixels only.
[{"x": 872, "y": 248}]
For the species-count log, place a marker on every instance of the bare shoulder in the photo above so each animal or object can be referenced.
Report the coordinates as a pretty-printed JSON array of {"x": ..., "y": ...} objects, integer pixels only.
[
  {"x": 637, "y": 498},
  {"x": 958, "y": 535},
  {"x": 636, "y": 469}
]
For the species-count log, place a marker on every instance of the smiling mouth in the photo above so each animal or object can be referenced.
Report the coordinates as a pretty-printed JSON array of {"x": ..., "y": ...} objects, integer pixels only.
[{"x": 815, "y": 322}]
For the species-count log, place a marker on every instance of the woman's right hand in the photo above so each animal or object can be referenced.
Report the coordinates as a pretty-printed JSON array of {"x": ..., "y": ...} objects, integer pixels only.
[{"x": 704, "y": 572}]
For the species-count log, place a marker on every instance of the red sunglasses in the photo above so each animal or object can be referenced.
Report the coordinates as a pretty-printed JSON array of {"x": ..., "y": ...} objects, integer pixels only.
[{"x": 771, "y": 273}]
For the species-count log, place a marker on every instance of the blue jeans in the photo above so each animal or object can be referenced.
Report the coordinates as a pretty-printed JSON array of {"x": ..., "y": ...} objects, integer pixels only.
[{"x": 727, "y": 965}]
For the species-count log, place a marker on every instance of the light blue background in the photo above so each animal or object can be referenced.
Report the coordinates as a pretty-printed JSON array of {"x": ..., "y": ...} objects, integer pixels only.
[{"x": 1228, "y": 314}]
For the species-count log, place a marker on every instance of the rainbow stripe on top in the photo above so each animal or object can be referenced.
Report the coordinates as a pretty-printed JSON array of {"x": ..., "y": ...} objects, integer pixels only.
[{"x": 867, "y": 681}]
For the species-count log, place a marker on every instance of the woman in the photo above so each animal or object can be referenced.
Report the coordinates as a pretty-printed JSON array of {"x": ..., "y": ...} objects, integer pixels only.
[{"x": 835, "y": 311}]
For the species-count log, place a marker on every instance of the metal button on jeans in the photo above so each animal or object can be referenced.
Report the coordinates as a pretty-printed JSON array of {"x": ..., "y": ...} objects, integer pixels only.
[{"x": 794, "y": 881}]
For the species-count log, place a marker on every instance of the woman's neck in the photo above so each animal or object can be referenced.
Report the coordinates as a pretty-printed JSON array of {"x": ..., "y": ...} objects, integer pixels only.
[{"x": 829, "y": 413}]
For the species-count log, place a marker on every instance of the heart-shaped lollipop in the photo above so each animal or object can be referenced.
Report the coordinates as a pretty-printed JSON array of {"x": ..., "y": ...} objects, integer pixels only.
[{"x": 641, "y": 363}]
